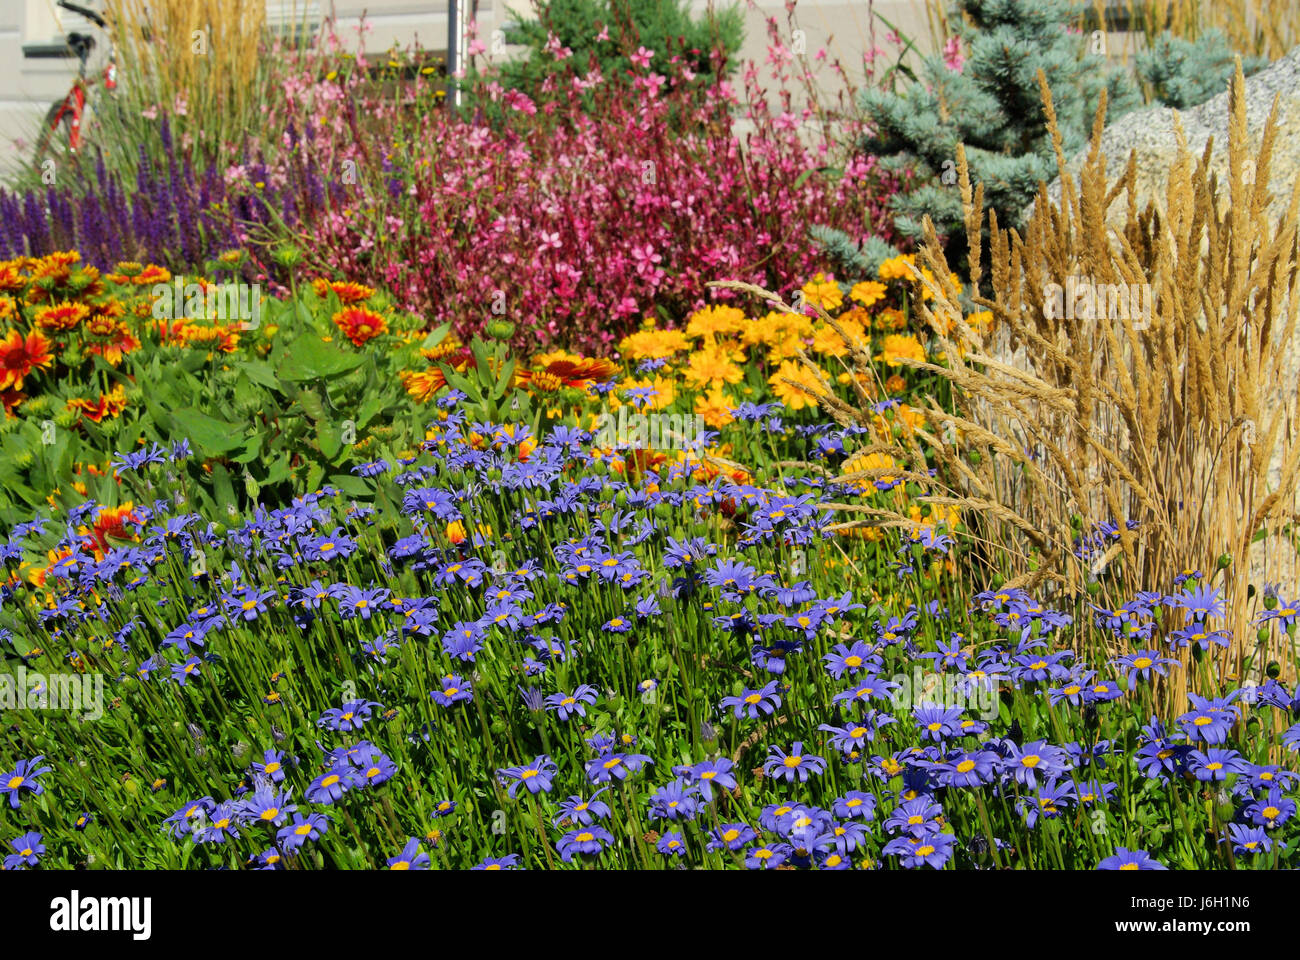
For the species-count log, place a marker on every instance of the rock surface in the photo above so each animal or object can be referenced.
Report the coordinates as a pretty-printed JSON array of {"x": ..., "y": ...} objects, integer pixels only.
[{"x": 1150, "y": 131}]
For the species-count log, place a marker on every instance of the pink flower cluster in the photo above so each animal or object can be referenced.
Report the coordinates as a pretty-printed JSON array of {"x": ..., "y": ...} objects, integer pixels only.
[{"x": 578, "y": 214}]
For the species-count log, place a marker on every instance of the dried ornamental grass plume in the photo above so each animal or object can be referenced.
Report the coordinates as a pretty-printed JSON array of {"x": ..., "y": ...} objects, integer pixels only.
[
  {"x": 1250, "y": 27},
  {"x": 1138, "y": 442},
  {"x": 198, "y": 56}
]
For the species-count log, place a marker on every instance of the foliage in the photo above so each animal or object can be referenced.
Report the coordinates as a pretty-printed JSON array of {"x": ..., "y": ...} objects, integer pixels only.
[
  {"x": 576, "y": 37},
  {"x": 1182, "y": 73},
  {"x": 988, "y": 101},
  {"x": 580, "y": 214},
  {"x": 265, "y": 388},
  {"x": 527, "y": 650},
  {"x": 575, "y": 220}
]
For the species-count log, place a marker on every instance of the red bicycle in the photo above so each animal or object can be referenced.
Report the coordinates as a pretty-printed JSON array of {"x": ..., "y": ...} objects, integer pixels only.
[{"x": 66, "y": 118}]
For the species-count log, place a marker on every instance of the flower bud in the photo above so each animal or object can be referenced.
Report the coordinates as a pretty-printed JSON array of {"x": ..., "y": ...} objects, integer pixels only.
[
  {"x": 286, "y": 255},
  {"x": 499, "y": 329}
]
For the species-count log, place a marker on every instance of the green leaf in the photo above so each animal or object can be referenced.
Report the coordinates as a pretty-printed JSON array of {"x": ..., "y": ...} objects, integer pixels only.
[
  {"x": 459, "y": 382},
  {"x": 312, "y": 359},
  {"x": 279, "y": 471},
  {"x": 436, "y": 336},
  {"x": 503, "y": 381},
  {"x": 352, "y": 486},
  {"x": 368, "y": 410},
  {"x": 328, "y": 439},
  {"x": 223, "y": 489},
  {"x": 212, "y": 436},
  {"x": 260, "y": 373},
  {"x": 252, "y": 451},
  {"x": 311, "y": 404},
  {"x": 315, "y": 474}
]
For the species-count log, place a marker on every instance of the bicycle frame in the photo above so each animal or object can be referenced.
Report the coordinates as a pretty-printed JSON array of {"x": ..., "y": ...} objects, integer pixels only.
[
  {"x": 72, "y": 109},
  {"x": 75, "y": 105}
]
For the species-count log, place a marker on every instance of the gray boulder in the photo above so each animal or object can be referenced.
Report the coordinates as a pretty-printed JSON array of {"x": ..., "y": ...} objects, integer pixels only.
[{"x": 1150, "y": 131}]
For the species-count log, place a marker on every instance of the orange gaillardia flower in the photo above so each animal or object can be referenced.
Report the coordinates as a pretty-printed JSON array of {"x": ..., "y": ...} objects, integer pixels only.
[
  {"x": 360, "y": 324},
  {"x": 423, "y": 384},
  {"x": 20, "y": 355},
  {"x": 110, "y": 338},
  {"x": 348, "y": 293},
  {"x": 109, "y": 522},
  {"x": 60, "y": 272},
  {"x": 61, "y": 316},
  {"x": 124, "y": 272},
  {"x": 11, "y": 276},
  {"x": 36, "y": 575},
  {"x": 576, "y": 371},
  {"x": 11, "y": 399},
  {"x": 151, "y": 276},
  {"x": 443, "y": 350},
  {"x": 571, "y": 370},
  {"x": 544, "y": 382},
  {"x": 108, "y": 405}
]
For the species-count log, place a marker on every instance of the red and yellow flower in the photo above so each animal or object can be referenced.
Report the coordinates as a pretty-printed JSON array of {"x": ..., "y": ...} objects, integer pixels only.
[
  {"x": 109, "y": 404},
  {"x": 360, "y": 324},
  {"x": 109, "y": 522},
  {"x": 348, "y": 293},
  {"x": 20, "y": 355},
  {"x": 61, "y": 316}
]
